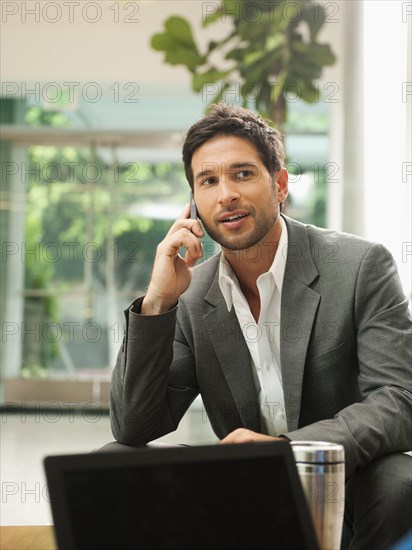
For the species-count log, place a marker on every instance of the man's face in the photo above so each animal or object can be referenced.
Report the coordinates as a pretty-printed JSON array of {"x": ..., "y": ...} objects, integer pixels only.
[{"x": 236, "y": 197}]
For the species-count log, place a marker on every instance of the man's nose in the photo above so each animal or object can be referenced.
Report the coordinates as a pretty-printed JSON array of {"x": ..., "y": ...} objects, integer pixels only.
[{"x": 228, "y": 192}]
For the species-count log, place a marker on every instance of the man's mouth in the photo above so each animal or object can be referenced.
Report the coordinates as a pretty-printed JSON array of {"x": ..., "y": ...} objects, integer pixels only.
[{"x": 234, "y": 218}]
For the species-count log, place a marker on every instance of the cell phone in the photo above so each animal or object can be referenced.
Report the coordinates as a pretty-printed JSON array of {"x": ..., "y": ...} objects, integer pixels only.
[{"x": 193, "y": 209}]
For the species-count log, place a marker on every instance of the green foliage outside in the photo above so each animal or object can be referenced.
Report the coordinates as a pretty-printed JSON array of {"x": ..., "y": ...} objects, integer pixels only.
[
  {"x": 74, "y": 198},
  {"x": 58, "y": 207}
]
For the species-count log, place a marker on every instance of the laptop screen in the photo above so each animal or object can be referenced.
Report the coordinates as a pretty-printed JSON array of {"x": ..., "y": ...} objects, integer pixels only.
[{"x": 180, "y": 499}]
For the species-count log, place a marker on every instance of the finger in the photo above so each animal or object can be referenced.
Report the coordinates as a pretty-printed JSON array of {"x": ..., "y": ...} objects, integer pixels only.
[
  {"x": 189, "y": 259},
  {"x": 240, "y": 435},
  {"x": 192, "y": 255},
  {"x": 184, "y": 220},
  {"x": 183, "y": 237},
  {"x": 230, "y": 438},
  {"x": 192, "y": 244},
  {"x": 185, "y": 212},
  {"x": 192, "y": 225}
]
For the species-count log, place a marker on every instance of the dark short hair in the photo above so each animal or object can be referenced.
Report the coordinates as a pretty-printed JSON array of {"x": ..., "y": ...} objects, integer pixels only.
[{"x": 229, "y": 120}]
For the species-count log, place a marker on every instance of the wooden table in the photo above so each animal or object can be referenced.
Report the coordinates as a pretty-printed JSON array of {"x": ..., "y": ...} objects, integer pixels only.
[{"x": 27, "y": 537}]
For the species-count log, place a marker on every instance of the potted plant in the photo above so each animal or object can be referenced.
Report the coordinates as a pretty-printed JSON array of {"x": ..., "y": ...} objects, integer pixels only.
[{"x": 270, "y": 52}]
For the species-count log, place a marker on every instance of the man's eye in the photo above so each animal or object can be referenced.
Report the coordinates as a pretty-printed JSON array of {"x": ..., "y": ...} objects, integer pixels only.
[
  {"x": 208, "y": 181},
  {"x": 243, "y": 174}
]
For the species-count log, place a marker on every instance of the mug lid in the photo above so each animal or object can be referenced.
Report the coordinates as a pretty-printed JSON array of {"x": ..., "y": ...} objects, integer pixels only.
[{"x": 318, "y": 452}]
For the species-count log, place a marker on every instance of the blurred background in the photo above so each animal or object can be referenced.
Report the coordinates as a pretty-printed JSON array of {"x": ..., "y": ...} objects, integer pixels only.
[{"x": 95, "y": 101}]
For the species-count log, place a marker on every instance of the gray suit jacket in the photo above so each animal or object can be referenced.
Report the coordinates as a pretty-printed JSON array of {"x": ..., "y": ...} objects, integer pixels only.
[{"x": 345, "y": 353}]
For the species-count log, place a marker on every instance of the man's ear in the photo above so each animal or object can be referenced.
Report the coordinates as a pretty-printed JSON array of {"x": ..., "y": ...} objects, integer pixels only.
[{"x": 282, "y": 178}]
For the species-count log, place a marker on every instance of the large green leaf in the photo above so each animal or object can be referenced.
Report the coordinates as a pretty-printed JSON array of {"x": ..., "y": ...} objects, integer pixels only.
[
  {"x": 180, "y": 29},
  {"x": 178, "y": 44},
  {"x": 184, "y": 56},
  {"x": 300, "y": 67},
  {"x": 208, "y": 77},
  {"x": 163, "y": 42},
  {"x": 321, "y": 54},
  {"x": 308, "y": 76}
]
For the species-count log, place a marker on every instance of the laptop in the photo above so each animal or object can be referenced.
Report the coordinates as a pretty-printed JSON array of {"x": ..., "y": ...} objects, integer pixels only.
[{"x": 214, "y": 497}]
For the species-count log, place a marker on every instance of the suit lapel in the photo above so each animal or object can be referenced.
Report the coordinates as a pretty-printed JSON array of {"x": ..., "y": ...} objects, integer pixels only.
[
  {"x": 233, "y": 355},
  {"x": 298, "y": 309}
]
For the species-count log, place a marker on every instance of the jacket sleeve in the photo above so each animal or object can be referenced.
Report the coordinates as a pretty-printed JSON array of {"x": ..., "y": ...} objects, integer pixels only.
[
  {"x": 154, "y": 380},
  {"x": 382, "y": 421}
]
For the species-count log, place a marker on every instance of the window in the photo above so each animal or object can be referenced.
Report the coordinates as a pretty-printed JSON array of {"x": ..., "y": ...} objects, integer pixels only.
[{"x": 82, "y": 214}]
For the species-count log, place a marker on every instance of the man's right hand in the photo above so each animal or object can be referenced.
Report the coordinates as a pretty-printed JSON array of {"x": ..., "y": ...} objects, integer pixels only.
[{"x": 172, "y": 273}]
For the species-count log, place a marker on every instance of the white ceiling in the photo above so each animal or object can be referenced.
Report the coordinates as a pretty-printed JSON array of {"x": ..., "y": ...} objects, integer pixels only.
[{"x": 35, "y": 49}]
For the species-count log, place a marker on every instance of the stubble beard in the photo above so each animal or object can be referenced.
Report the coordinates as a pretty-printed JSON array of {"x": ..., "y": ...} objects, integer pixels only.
[{"x": 262, "y": 228}]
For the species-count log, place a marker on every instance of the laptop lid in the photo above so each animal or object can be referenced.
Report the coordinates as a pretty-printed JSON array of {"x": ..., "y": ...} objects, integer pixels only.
[{"x": 227, "y": 497}]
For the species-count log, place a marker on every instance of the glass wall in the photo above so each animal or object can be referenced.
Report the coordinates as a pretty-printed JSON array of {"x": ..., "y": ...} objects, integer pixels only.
[
  {"x": 81, "y": 217},
  {"x": 92, "y": 218}
]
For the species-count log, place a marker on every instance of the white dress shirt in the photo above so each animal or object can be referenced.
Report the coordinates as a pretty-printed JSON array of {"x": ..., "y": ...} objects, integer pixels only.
[{"x": 263, "y": 337}]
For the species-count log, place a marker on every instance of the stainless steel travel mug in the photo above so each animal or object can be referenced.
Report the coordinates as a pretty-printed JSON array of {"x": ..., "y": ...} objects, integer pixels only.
[{"x": 321, "y": 468}]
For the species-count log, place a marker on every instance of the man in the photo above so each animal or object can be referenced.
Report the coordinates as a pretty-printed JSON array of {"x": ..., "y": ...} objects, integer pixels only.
[{"x": 292, "y": 331}]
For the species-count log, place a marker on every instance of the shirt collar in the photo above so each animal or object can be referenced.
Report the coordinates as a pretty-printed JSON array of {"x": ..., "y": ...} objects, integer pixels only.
[{"x": 228, "y": 280}]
